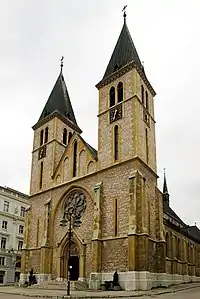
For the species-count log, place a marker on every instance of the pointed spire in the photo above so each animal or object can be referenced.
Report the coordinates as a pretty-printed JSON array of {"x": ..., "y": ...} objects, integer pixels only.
[
  {"x": 124, "y": 51},
  {"x": 165, "y": 191},
  {"x": 59, "y": 104}
]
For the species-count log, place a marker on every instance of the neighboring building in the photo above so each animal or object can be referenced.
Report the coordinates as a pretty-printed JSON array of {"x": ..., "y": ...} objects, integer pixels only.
[
  {"x": 12, "y": 211},
  {"x": 113, "y": 191}
]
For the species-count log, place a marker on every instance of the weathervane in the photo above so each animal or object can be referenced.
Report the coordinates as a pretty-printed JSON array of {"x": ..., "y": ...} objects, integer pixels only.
[
  {"x": 61, "y": 64},
  {"x": 164, "y": 170},
  {"x": 124, "y": 10}
]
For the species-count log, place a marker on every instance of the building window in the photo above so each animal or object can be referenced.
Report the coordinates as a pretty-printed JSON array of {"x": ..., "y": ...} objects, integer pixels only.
[
  {"x": 41, "y": 174},
  {"x": 112, "y": 96},
  {"x": 3, "y": 243},
  {"x": 65, "y": 136},
  {"x": 75, "y": 159},
  {"x": 167, "y": 244},
  {"x": 41, "y": 137},
  {"x": 116, "y": 143},
  {"x": 120, "y": 92},
  {"x": 20, "y": 244},
  {"x": 188, "y": 252},
  {"x": 142, "y": 94},
  {"x": 6, "y": 206},
  {"x": 147, "y": 146},
  {"x": 178, "y": 249},
  {"x": 21, "y": 229},
  {"x": 4, "y": 224},
  {"x": 22, "y": 212},
  {"x": 70, "y": 136},
  {"x": 115, "y": 217},
  {"x": 46, "y": 135},
  {"x": 2, "y": 261},
  {"x": 147, "y": 100}
]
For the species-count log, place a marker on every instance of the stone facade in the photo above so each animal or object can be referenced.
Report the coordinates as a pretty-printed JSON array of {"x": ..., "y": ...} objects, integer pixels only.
[{"x": 122, "y": 225}]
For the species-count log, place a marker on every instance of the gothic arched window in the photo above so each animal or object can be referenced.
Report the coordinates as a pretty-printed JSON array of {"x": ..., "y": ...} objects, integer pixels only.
[
  {"x": 41, "y": 137},
  {"x": 167, "y": 244},
  {"x": 142, "y": 94},
  {"x": 46, "y": 135},
  {"x": 116, "y": 143},
  {"x": 112, "y": 96},
  {"x": 120, "y": 92},
  {"x": 75, "y": 159},
  {"x": 65, "y": 136}
]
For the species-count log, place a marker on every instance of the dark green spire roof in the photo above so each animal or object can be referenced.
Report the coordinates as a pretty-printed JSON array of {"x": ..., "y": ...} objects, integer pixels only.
[
  {"x": 124, "y": 52},
  {"x": 59, "y": 101}
]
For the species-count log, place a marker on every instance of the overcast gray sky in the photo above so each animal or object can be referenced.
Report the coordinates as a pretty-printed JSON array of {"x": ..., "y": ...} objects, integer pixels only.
[{"x": 34, "y": 35}]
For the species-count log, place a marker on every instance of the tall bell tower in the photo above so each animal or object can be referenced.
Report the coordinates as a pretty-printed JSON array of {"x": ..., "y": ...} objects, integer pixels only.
[
  {"x": 52, "y": 133},
  {"x": 126, "y": 124}
]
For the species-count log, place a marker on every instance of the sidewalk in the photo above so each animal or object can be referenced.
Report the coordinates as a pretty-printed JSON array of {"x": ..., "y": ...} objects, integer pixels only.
[{"x": 57, "y": 294}]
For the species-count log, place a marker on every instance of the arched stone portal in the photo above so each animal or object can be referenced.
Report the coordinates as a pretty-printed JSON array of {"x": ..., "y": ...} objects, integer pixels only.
[{"x": 77, "y": 259}]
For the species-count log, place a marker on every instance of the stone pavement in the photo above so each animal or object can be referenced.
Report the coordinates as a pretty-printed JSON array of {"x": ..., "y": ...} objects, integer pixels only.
[{"x": 57, "y": 294}]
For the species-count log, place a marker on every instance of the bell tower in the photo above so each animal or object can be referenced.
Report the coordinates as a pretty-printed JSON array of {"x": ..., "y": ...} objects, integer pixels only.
[
  {"x": 52, "y": 133},
  {"x": 126, "y": 124}
]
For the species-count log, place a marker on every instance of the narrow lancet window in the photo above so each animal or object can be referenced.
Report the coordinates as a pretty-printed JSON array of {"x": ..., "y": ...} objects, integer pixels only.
[
  {"x": 75, "y": 159},
  {"x": 65, "y": 136},
  {"x": 147, "y": 100},
  {"x": 120, "y": 92},
  {"x": 115, "y": 217},
  {"x": 142, "y": 94},
  {"x": 116, "y": 143},
  {"x": 112, "y": 96},
  {"x": 46, "y": 135},
  {"x": 41, "y": 137},
  {"x": 41, "y": 174},
  {"x": 167, "y": 244}
]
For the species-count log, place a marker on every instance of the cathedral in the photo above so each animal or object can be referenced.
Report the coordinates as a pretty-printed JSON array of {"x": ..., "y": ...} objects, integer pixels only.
[{"x": 104, "y": 205}]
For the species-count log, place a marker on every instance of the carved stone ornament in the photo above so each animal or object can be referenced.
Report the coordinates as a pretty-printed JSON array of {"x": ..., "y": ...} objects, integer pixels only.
[{"x": 76, "y": 205}]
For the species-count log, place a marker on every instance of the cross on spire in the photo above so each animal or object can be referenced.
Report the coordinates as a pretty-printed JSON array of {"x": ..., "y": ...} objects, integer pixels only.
[
  {"x": 124, "y": 10},
  {"x": 61, "y": 63}
]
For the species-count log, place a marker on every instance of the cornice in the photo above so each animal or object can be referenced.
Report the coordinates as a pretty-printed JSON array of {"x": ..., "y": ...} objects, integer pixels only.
[
  {"x": 14, "y": 217},
  {"x": 57, "y": 114},
  {"x": 123, "y": 71}
]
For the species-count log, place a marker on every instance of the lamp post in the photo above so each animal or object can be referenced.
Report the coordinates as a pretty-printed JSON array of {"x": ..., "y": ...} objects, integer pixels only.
[{"x": 72, "y": 214}]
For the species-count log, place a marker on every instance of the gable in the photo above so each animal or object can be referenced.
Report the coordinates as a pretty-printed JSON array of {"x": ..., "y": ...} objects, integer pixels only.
[{"x": 86, "y": 161}]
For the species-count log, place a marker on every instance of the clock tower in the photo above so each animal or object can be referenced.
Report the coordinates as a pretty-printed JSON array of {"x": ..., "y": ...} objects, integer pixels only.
[{"x": 126, "y": 124}]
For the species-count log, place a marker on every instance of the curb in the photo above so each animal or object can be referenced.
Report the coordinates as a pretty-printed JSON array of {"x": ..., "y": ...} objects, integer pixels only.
[{"x": 98, "y": 297}]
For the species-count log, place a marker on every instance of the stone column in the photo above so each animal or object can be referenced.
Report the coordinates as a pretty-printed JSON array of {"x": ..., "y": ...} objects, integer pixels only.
[
  {"x": 25, "y": 252},
  {"x": 138, "y": 223},
  {"x": 46, "y": 251},
  {"x": 96, "y": 243},
  {"x": 174, "y": 262},
  {"x": 161, "y": 243}
]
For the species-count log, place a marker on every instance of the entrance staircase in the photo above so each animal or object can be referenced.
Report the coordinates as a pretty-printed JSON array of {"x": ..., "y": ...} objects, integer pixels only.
[{"x": 61, "y": 285}]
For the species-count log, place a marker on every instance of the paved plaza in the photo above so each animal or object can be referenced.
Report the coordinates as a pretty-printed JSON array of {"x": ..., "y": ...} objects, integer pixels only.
[
  {"x": 187, "y": 294},
  {"x": 184, "y": 291}
]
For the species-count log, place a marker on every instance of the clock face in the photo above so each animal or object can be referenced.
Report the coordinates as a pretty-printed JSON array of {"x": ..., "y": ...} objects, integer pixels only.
[
  {"x": 42, "y": 152},
  {"x": 115, "y": 113}
]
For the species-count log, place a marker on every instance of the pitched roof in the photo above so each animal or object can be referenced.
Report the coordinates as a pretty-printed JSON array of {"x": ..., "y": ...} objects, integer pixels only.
[
  {"x": 124, "y": 52},
  {"x": 171, "y": 212},
  {"x": 59, "y": 100},
  {"x": 92, "y": 150},
  {"x": 193, "y": 231}
]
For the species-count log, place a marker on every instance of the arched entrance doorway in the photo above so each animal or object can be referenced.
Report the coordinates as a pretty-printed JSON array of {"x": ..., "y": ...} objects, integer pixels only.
[{"x": 74, "y": 262}]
